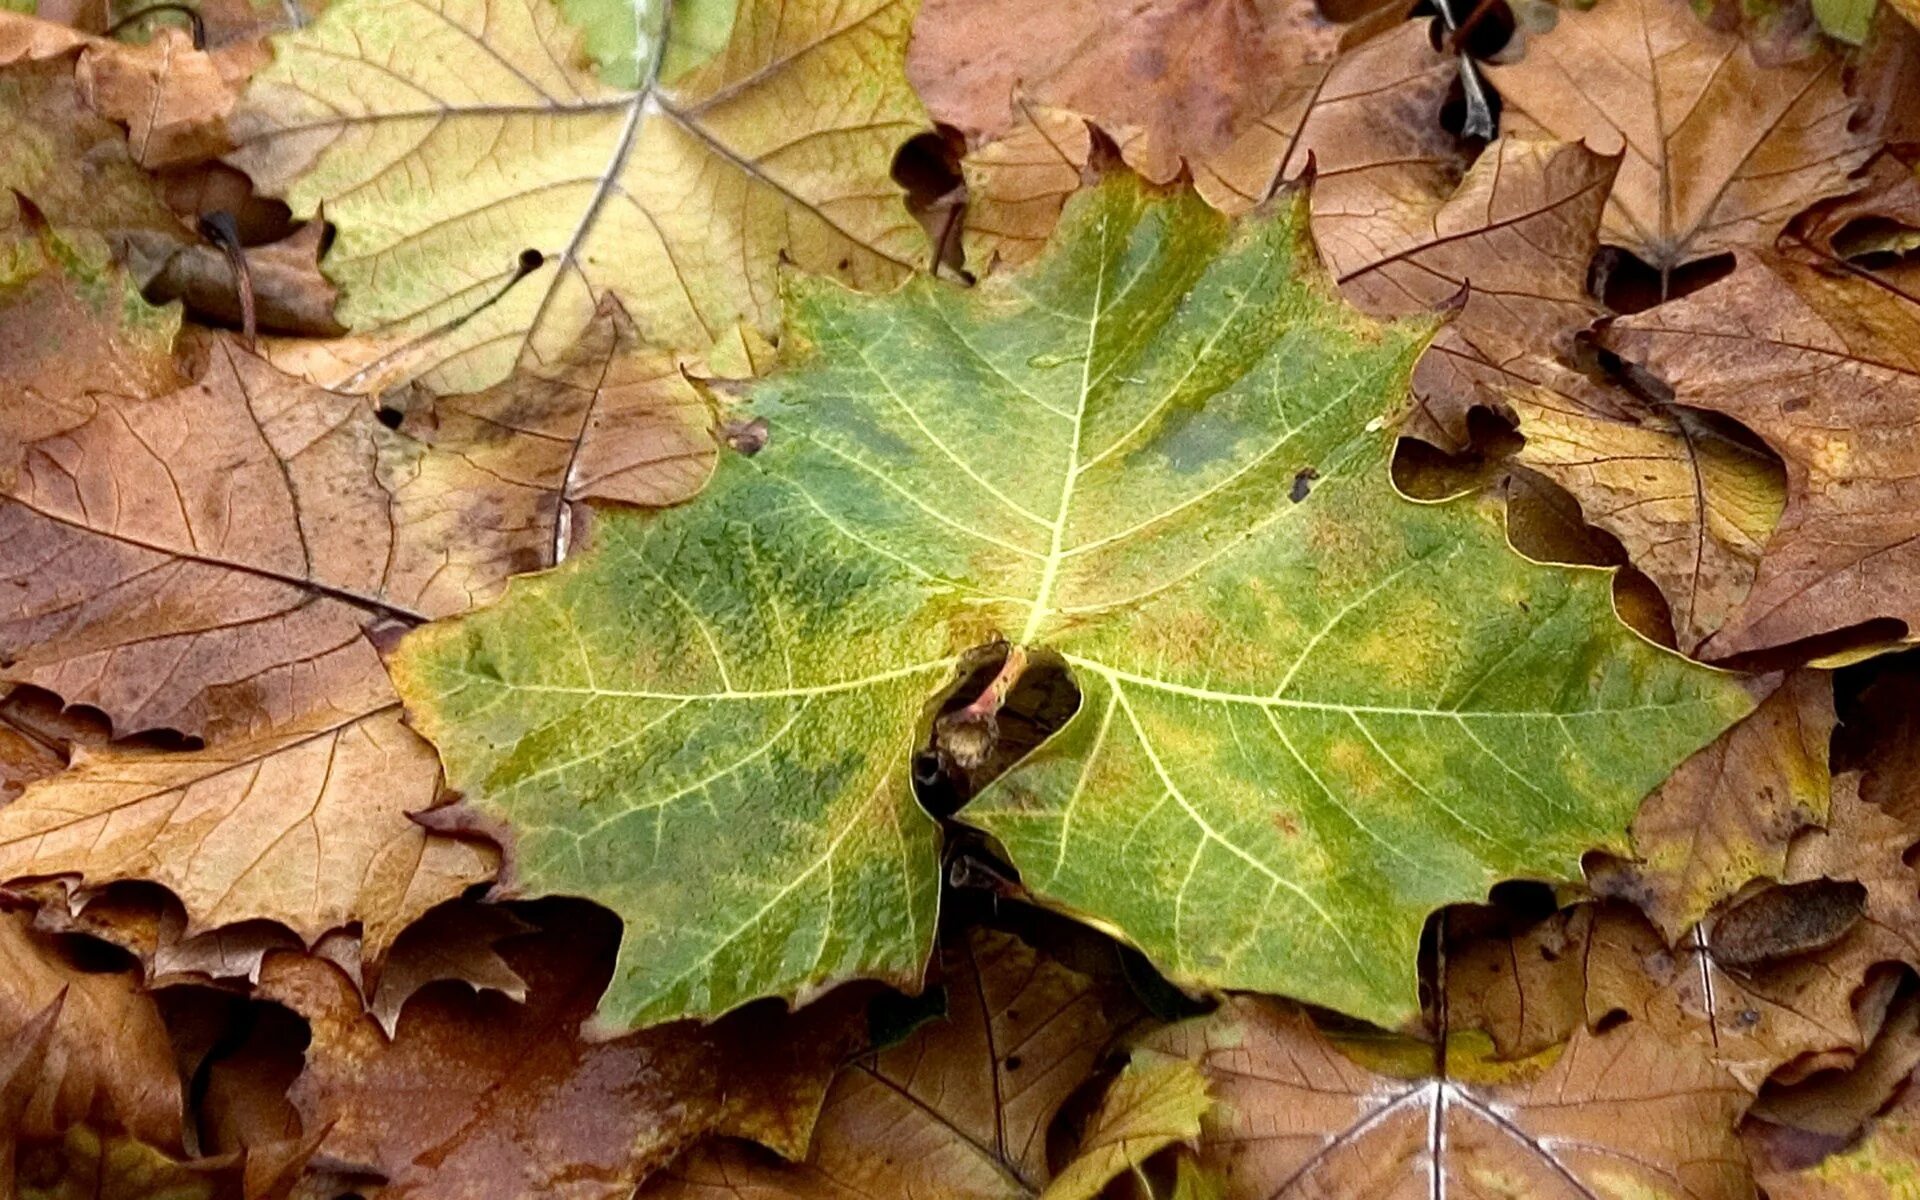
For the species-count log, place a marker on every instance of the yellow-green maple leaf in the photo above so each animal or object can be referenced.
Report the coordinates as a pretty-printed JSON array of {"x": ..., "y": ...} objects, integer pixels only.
[{"x": 1312, "y": 711}]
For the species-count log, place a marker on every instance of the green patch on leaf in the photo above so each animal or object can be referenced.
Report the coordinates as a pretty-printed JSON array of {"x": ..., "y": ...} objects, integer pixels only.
[
  {"x": 1845, "y": 20},
  {"x": 1312, "y": 711}
]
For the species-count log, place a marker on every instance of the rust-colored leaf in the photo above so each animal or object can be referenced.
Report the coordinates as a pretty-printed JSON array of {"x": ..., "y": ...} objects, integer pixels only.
[
  {"x": 958, "y": 1110},
  {"x": 1721, "y": 151},
  {"x": 1823, "y": 362},
  {"x": 479, "y": 1096},
  {"x": 1171, "y": 81},
  {"x": 1620, "y": 1113},
  {"x": 222, "y": 549}
]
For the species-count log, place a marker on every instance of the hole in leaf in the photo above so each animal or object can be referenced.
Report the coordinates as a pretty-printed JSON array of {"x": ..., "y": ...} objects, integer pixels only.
[
  {"x": 1455, "y": 109},
  {"x": 928, "y": 167},
  {"x": 1626, "y": 283},
  {"x": 975, "y": 737},
  {"x": 1424, "y": 471},
  {"x": 1613, "y": 1018}
]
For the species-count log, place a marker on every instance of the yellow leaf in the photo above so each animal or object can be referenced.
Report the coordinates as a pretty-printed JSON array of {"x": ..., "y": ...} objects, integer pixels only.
[{"x": 489, "y": 188}]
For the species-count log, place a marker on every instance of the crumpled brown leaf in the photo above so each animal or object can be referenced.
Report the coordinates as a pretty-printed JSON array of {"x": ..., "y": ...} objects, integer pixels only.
[
  {"x": 1728, "y": 814},
  {"x": 1171, "y": 81},
  {"x": 479, "y": 1096},
  {"x": 221, "y": 550},
  {"x": 173, "y": 98},
  {"x": 1824, "y": 364},
  {"x": 107, "y": 1061},
  {"x": 1721, "y": 152},
  {"x": 1624, "y": 1112},
  {"x": 608, "y": 420},
  {"x": 958, "y": 1110}
]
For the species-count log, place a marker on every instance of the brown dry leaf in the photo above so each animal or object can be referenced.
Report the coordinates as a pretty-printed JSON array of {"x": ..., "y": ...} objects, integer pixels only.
[
  {"x": 149, "y": 923},
  {"x": 1690, "y": 504},
  {"x": 108, "y": 1061},
  {"x": 1819, "y": 1004},
  {"x": 1726, "y": 815},
  {"x": 1883, "y": 217},
  {"x": 1824, "y": 365},
  {"x": 1838, "y": 1103},
  {"x": 1721, "y": 152},
  {"x": 76, "y": 167},
  {"x": 31, "y": 747},
  {"x": 304, "y": 825},
  {"x": 1530, "y": 989},
  {"x": 959, "y": 1110},
  {"x": 1880, "y": 1166},
  {"x": 1368, "y": 121},
  {"x": 1171, "y": 81},
  {"x": 479, "y": 1096},
  {"x": 173, "y": 98},
  {"x": 1018, "y": 183},
  {"x": 1525, "y": 988},
  {"x": 70, "y": 322},
  {"x": 1615, "y": 1114},
  {"x": 608, "y": 420},
  {"x": 221, "y": 550}
]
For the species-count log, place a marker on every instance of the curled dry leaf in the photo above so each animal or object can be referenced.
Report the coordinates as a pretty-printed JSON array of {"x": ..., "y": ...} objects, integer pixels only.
[
  {"x": 208, "y": 560},
  {"x": 706, "y": 721},
  {"x": 1171, "y": 81},
  {"x": 1727, "y": 815},
  {"x": 1821, "y": 362},
  {"x": 1619, "y": 1113},
  {"x": 1838, "y": 1104},
  {"x": 106, "y": 1062},
  {"x": 305, "y": 825},
  {"x": 290, "y": 295},
  {"x": 35, "y": 739},
  {"x": 1720, "y": 152},
  {"x": 460, "y": 941},
  {"x": 515, "y": 1100},
  {"x": 1881, "y": 1165},
  {"x": 552, "y": 187},
  {"x": 960, "y": 1109}
]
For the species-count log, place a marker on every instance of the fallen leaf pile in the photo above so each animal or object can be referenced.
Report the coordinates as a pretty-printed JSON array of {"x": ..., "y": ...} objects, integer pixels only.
[{"x": 965, "y": 600}]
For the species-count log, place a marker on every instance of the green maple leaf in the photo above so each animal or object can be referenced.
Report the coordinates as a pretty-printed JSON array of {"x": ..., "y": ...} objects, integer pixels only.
[{"x": 1312, "y": 711}]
